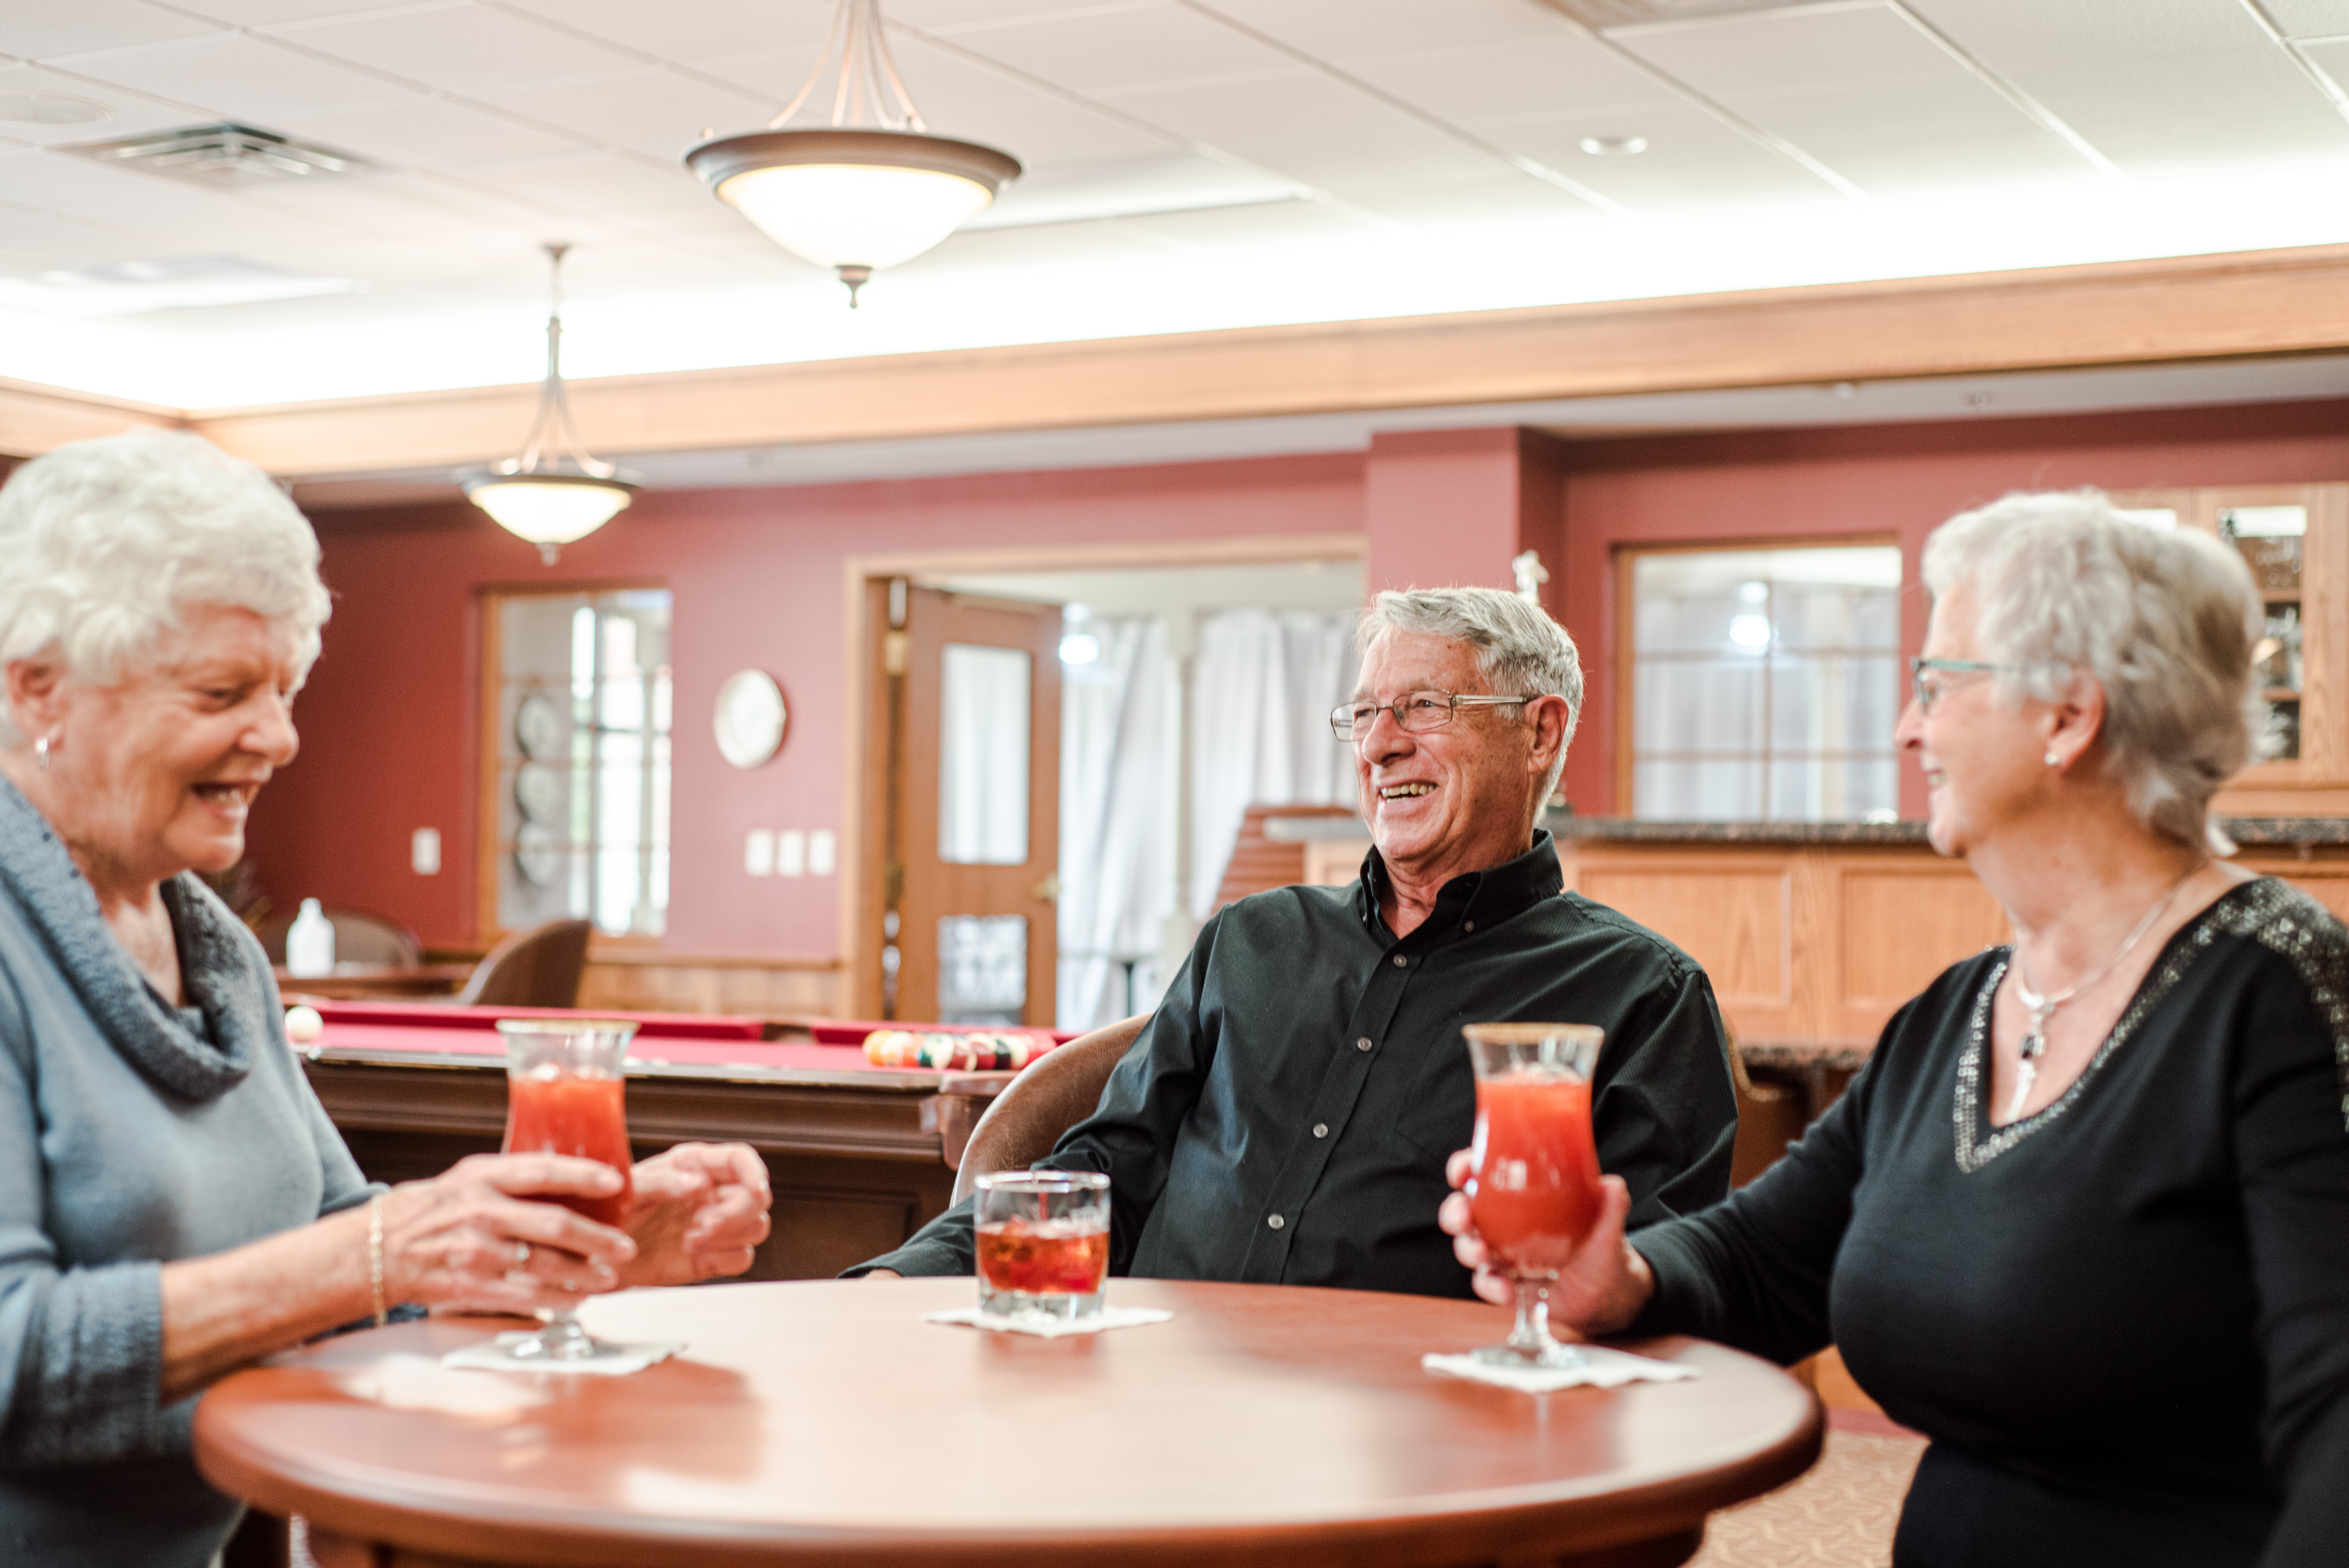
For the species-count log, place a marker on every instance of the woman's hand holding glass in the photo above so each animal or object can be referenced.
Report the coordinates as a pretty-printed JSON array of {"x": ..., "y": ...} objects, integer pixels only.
[{"x": 1602, "y": 1286}]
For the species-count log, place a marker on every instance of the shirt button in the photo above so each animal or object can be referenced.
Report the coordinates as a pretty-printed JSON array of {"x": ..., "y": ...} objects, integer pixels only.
[
  {"x": 1401, "y": 961},
  {"x": 1363, "y": 1044},
  {"x": 1275, "y": 1221},
  {"x": 1471, "y": 926},
  {"x": 1320, "y": 1130}
]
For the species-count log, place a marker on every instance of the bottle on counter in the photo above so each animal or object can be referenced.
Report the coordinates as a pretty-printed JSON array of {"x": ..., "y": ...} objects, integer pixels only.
[{"x": 310, "y": 942}]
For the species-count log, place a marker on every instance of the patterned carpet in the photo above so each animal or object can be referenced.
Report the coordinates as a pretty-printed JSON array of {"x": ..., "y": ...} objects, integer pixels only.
[{"x": 1840, "y": 1513}]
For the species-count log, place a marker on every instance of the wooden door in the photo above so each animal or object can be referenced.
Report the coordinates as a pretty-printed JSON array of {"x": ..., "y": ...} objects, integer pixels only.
[{"x": 978, "y": 845}]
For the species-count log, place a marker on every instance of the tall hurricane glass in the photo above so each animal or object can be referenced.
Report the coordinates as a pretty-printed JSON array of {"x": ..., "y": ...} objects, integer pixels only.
[
  {"x": 566, "y": 1094},
  {"x": 1534, "y": 1187}
]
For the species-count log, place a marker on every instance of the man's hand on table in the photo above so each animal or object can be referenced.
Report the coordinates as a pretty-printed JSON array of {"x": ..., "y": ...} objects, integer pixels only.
[
  {"x": 1604, "y": 1286},
  {"x": 882, "y": 1273},
  {"x": 701, "y": 1212}
]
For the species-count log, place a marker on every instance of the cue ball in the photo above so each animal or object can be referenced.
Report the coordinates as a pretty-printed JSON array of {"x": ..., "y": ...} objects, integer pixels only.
[{"x": 303, "y": 1025}]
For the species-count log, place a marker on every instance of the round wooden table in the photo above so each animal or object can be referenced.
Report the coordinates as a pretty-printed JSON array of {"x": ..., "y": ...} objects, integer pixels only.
[{"x": 823, "y": 1423}]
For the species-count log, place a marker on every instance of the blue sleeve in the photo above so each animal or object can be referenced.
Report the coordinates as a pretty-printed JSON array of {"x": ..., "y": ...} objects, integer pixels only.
[{"x": 81, "y": 1350}]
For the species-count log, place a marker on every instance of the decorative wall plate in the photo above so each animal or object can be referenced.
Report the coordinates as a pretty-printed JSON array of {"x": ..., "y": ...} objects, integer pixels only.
[
  {"x": 750, "y": 719},
  {"x": 538, "y": 726},
  {"x": 539, "y": 793},
  {"x": 539, "y": 855}
]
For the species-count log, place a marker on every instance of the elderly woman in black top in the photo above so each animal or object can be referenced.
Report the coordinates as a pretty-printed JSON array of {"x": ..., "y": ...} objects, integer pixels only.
[{"x": 2084, "y": 1218}]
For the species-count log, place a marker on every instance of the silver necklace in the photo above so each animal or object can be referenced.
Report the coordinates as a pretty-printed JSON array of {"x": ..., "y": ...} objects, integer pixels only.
[{"x": 2043, "y": 1008}]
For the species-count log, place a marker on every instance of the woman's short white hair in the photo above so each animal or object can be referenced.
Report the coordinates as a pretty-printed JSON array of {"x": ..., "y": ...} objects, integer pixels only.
[
  {"x": 1520, "y": 651},
  {"x": 2164, "y": 619},
  {"x": 102, "y": 542}
]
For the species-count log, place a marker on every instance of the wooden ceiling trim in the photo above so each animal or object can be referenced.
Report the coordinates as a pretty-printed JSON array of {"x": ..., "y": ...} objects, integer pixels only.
[
  {"x": 34, "y": 419},
  {"x": 2113, "y": 313}
]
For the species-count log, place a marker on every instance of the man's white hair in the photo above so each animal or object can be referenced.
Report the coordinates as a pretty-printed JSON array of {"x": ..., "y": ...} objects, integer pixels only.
[
  {"x": 2163, "y": 620},
  {"x": 102, "y": 542},
  {"x": 1520, "y": 651}
]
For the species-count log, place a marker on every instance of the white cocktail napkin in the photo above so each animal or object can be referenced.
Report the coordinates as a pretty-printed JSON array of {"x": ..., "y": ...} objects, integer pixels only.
[
  {"x": 1603, "y": 1369},
  {"x": 485, "y": 1358},
  {"x": 1052, "y": 1328}
]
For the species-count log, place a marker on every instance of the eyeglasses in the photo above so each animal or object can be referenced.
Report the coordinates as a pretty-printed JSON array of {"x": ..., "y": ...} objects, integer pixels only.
[
  {"x": 1929, "y": 692},
  {"x": 1416, "y": 711}
]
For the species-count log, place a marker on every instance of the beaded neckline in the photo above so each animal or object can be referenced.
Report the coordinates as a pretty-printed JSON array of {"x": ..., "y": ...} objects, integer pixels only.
[{"x": 2260, "y": 910}]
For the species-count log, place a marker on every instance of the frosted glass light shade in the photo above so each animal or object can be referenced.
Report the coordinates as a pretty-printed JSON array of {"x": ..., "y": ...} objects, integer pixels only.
[
  {"x": 853, "y": 198},
  {"x": 548, "y": 509}
]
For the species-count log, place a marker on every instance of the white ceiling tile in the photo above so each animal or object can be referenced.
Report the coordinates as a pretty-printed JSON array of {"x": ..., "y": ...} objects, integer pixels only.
[
  {"x": 2331, "y": 58},
  {"x": 684, "y": 32},
  {"x": 1284, "y": 223},
  {"x": 2092, "y": 61},
  {"x": 237, "y": 76},
  {"x": 395, "y": 205},
  {"x": 1901, "y": 168},
  {"x": 464, "y": 48},
  {"x": 416, "y": 131},
  {"x": 1692, "y": 160},
  {"x": 59, "y": 182},
  {"x": 654, "y": 112},
  {"x": 133, "y": 112},
  {"x": 36, "y": 32},
  {"x": 960, "y": 98},
  {"x": 1420, "y": 159},
  {"x": 2310, "y": 18},
  {"x": 2206, "y": 142},
  {"x": 603, "y": 185},
  {"x": 1348, "y": 32},
  {"x": 1109, "y": 52},
  {"x": 1565, "y": 75},
  {"x": 267, "y": 13},
  {"x": 36, "y": 240},
  {"x": 1506, "y": 199},
  {"x": 1167, "y": 183},
  {"x": 1789, "y": 50},
  {"x": 1254, "y": 117}
]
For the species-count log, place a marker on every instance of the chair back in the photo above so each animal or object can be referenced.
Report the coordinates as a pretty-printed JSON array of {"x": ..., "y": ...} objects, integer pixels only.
[
  {"x": 359, "y": 938},
  {"x": 1051, "y": 1093},
  {"x": 541, "y": 967}
]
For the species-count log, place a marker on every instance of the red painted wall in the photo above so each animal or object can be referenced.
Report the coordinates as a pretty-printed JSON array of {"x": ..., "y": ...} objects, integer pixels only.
[
  {"x": 390, "y": 717},
  {"x": 1898, "y": 480}
]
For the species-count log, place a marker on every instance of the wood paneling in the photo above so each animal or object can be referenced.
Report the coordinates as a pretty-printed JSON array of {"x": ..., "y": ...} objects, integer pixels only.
[
  {"x": 1897, "y": 926},
  {"x": 1736, "y": 913},
  {"x": 651, "y": 981},
  {"x": 2175, "y": 308}
]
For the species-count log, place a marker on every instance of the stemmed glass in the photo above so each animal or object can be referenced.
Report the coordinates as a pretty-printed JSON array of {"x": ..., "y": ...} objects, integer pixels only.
[
  {"x": 1534, "y": 1191},
  {"x": 566, "y": 1094}
]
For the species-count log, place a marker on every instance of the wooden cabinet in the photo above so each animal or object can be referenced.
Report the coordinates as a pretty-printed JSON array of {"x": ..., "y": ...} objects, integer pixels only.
[{"x": 2295, "y": 538}]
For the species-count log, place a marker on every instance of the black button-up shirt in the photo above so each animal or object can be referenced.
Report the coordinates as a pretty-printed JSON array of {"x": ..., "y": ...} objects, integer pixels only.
[{"x": 1285, "y": 1116}]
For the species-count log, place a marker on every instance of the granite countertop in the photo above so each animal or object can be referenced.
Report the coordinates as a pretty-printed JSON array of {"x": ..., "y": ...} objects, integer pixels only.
[{"x": 2249, "y": 831}]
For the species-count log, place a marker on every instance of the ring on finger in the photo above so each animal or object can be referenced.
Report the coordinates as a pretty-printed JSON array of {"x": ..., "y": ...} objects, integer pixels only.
[{"x": 521, "y": 1255}]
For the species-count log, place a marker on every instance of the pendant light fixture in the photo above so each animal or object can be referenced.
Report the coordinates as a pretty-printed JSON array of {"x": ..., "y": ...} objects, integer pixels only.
[
  {"x": 873, "y": 190},
  {"x": 554, "y": 491}
]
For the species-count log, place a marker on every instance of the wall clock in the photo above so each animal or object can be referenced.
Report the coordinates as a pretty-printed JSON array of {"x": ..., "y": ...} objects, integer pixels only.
[{"x": 750, "y": 717}]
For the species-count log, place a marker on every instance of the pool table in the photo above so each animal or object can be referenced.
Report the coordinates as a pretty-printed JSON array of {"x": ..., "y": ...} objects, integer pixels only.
[{"x": 860, "y": 1156}]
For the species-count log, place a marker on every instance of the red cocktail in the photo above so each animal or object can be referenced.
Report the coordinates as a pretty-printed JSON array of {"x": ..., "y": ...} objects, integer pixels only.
[
  {"x": 565, "y": 1095},
  {"x": 1533, "y": 1190},
  {"x": 1043, "y": 1256},
  {"x": 551, "y": 1112},
  {"x": 1536, "y": 1188}
]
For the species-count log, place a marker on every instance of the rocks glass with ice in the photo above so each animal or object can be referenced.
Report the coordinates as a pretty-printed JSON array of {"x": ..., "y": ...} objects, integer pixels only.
[{"x": 1043, "y": 1243}]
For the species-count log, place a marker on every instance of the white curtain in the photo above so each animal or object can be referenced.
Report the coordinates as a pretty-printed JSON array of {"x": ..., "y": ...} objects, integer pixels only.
[
  {"x": 1115, "y": 877},
  {"x": 1262, "y": 688}
]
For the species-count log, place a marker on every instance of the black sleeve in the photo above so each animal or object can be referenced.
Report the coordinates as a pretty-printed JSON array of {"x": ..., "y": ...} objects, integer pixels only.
[
  {"x": 1752, "y": 1271},
  {"x": 1131, "y": 1135},
  {"x": 1665, "y": 1110},
  {"x": 2291, "y": 1123}
]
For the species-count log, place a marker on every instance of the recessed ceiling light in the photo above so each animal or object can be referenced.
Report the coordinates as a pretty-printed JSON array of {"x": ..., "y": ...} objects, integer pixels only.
[
  {"x": 1614, "y": 146},
  {"x": 51, "y": 109}
]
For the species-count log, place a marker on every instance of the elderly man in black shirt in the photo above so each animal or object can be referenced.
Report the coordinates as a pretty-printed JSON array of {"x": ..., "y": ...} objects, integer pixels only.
[{"x": 1285, "y": 1116}]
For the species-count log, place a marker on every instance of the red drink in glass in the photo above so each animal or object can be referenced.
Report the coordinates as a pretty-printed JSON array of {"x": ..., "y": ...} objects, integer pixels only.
[
  {"x": 555, "y": 1113},
  {"x": 1535, "y": 1189},
  {"x": 1040, "y": 1257}
]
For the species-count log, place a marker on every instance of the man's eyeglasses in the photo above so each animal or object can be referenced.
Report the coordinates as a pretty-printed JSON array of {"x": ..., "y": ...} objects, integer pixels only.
[
  {"x": 1416, "y": 711},
  {"x": 1929, "y": 692}
]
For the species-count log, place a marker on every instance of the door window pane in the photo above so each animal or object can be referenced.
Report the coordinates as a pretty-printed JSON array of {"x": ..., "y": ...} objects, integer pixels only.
[
  {"x": 1765, "y": 684},
  {"x": 983, "y": 756},
  {"x": 982, "y": 968},
  {"x": 585, "y": 697}
]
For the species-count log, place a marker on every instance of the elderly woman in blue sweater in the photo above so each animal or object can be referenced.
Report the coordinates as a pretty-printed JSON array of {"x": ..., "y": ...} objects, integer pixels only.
[{"x": 173, "y": 1201}]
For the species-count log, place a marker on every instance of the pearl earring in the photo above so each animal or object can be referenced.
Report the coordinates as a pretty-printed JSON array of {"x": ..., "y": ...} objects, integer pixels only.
[
  {"x": 41, "y": 751},
  {"x": 2052, "y": 759}
]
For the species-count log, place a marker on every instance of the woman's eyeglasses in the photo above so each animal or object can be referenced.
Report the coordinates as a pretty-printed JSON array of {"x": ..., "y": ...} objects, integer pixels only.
[
  {"x": 1929, "y": 692},
  {"x": 1414, "y": 711}
]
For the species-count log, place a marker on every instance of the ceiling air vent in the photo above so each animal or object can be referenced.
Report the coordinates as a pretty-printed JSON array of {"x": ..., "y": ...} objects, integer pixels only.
[
  {"x": 1606, "y": 14},
  {"x": 236, "y": 157}
]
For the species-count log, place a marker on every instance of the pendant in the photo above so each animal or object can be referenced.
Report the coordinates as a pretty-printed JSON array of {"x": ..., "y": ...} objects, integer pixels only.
[{"x": 2026, "y": 1074}]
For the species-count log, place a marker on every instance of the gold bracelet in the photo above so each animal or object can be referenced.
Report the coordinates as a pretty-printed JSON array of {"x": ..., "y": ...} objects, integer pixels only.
[{"x": 375, "y": 1258}]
